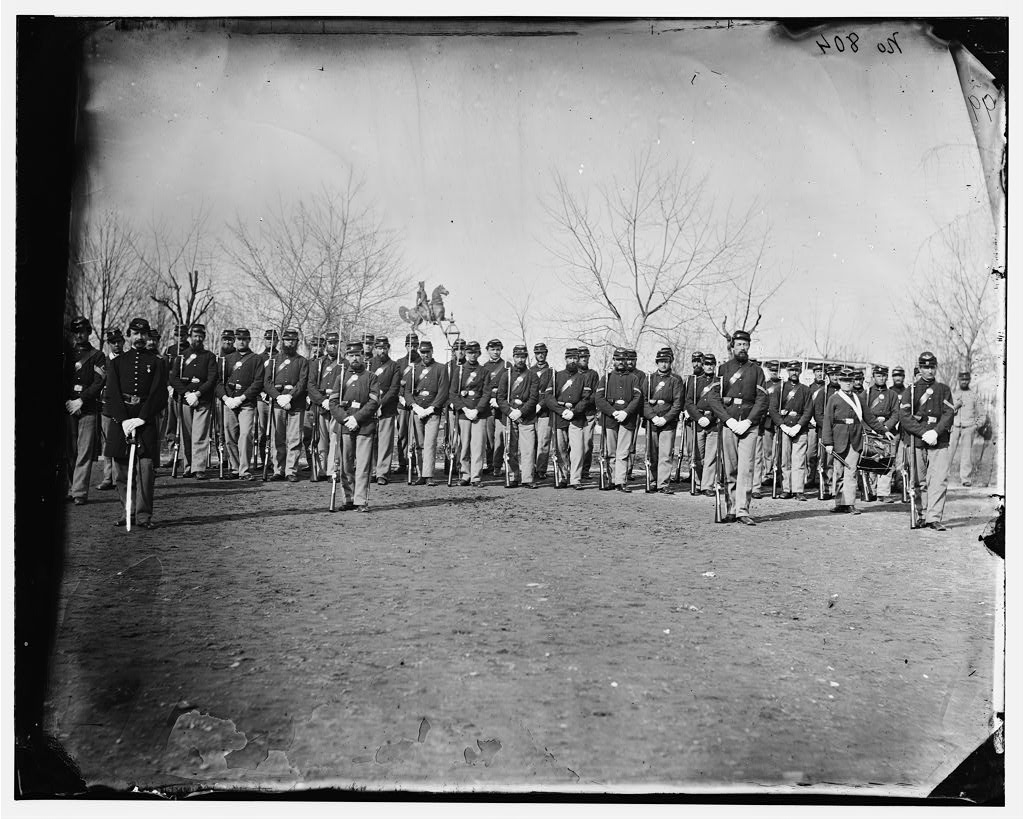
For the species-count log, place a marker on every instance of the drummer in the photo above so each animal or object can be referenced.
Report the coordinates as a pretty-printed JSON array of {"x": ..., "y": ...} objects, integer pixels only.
[
  {"x": 884, "y": 405},
  {"x": 842, "y": 433}
]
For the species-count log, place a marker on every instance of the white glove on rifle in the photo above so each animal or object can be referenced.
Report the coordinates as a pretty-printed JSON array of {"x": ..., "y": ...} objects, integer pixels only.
[
  {"x": 703, "y": 421},
  {"x": 567, "y": 414},
  {"x": 401, "y": 401},
  {"x": 170, "y": 391},
  {"x": 74, "y": 406},
  {"x": 658, "y": 421},
  {"x": 129, "y": 425},
  {"x": 351, "y": 424},
  {"x": 743, "y": 426},
  {"x": 931, "y": 437},
  {"x": 619, "y": 415},
  {"x": 284, "y": 401},
  {"x": 734, "y": 425},
  {"x": 191, "y": 398},
  {"x": 326, "y": 403},
  {"x": 494, "y": 402},
  {"x": 791, "y": 430},
  {"x": 515, "y": 415},
  {"x": 418, "y": 410}
]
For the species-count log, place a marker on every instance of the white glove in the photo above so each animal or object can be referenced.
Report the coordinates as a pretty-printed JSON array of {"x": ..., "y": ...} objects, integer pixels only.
[
  {"x": 734, "y": 425},
  {"x": 129, "y": 425},
  {"x": 931, "y": 437},
  {"x": 74, "y": 405},
  {"x": 743, "y": 426},
  {"x": 470, "y": 413},
  {"x": 658, "y": 421},
  {"x": 351, "y": 424},
  {"x": 401, "y": 401},
  {"x": 703, "y": 421},
  {"x": 814, "y": 423},
  {"x": 890, "y": 435},
  {"x": 170, "y": 392},
  {"x": 515, "y": 414},
  {"x": 619, "y": 415},
  {"x": 828, "y": 450},
  {"x": 228, "y": 401},
  {"x": 284, "y": 401},
  {"x": 239, "y": 400},
  {"x": 567, "y": 414},
  {"x": 418, "y": 410},
  {"x": 427, "y": 411},
  {"x": 791, "y": 431},
  {"x": 326, "y": 403},
  {"x": 494, "y": 402},
  {"x": 191, "y": 398}
]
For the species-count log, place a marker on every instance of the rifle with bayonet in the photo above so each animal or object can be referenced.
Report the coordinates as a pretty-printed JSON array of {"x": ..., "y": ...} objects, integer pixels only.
[
  {"x": 721, "y": 499},
  {"x": 650, "y": 479},
  {"x": 508, "y": 429},
  {"x": 413, "y": 432},
  {"x": 270, "y": 421},
  {"x": 180, "y": 438}
]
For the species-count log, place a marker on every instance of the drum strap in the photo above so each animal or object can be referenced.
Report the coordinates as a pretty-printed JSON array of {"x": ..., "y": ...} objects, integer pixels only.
[{"x": 855, "y": 404}]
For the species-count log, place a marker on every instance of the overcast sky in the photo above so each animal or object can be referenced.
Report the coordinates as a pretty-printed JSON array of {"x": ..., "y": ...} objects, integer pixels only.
[{"x": 856, "y": 158}]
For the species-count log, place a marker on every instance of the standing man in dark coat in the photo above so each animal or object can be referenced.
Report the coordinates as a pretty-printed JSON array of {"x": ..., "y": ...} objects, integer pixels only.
[
  {"x": 194, "y": 382},
  {"x": 791, "y": 412},
  {"x": 323, "y": 373},
  {"x": 662, "y": 405},
  {"x": 590, "y": 378},
  {"x": 739, "y": 404},
  {"x": 494, "y": 430},
  {"x": 389, "y": 386},
  {"x": 353, "y": 402},
  {"x": 82, "y": 406},
  {"x": 880, "y": 402},
  {"x": 567, "y": 400},
  {"x": 238, "y": 392},
  {"x": 544, "y": 373},
  {"x": 426, "y": 391},
  {"x": 518, "y": 395},
  {"x": 926, "y": 413},
  {"x": 405, "y": 364},
  {"x": 136, "y": 394},
  {"x": 286, "y": 381}
]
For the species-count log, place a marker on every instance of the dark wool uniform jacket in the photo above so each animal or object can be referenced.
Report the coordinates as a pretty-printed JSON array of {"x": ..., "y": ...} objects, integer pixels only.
[
  {"x": 882, "y": 403},
  {"x": 842, "y": 429},
  {"x": 569, "y": 391},
  {"x": 543, "y": 380},
  {"x": 354, "y": 394},
  {"x": 88, "y": 377},
  {"x": 771, "y": 386},
  {"x": 405, "y": 373},
  {"x": 518, "y": 390},
  {"x": 928, "y": 406},
  {"x": 663, "y": 396},
  {"x": 493, "y": 369},
  {"x": 619, "y": 391},
  {"x": 471, "y": 390},
  {"x": 427, "y": 386},
  {"x": 745, "y": 398},
  {"x": 195, "y": 372},
  {"x": 323, "y": 372},
  {"x": 244, "y": 377},
  {"x": 796, "y": 405},
  {"x": 591, "y": 378},
  {"x": 389, "y": 382},
  {"x": 136, "y": 388},
  {"x": 820, "y": 393},
  {"x": 287, "y": 375},
  {"x": 705, "y": 385}
]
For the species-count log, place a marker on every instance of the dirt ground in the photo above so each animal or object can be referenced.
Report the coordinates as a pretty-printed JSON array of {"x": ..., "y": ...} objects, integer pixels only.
[{"x": 501, "y": 639}]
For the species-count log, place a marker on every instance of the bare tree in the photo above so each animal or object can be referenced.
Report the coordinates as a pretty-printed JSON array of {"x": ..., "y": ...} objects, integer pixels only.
[
  {"x": 955, "y": 304},
  {"x": 180, "y": 265},
  {"x": 820, "y": 327},
  {"x": 639, "y": 259},
  {"x": 742, "y": 300},
  {"x": 323, "y": 263},
  {"x": 522, "y": 307},
  {"x": 106, "y": 282}
]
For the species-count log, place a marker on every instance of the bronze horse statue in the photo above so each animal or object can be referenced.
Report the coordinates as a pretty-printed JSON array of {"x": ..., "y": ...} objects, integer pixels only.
[{"x": 432, "y": 311}]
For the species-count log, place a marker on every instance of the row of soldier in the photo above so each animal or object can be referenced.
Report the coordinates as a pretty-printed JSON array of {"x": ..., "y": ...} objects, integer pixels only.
[{"x": 352, "y": 414}]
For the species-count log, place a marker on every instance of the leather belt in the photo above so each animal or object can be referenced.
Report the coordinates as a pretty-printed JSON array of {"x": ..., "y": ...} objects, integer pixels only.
[{"x": 131, "y": 399}]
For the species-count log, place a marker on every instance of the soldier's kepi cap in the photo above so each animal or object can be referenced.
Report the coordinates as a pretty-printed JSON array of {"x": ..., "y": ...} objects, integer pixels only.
[
  {"x": 352, "y": 347},
  {"x": 495, "y": 343},
  {"x": 833, "y": 369},
  {"x": 411, "y": 338},
  {"x": 291, "y": 334},
  {"x": 459, "y": 344},
  {"x": 899, "y": 371},
  {"x": 320, "y": 341},
  {"x": 572, "y": 352},
  {"x": 197, "y": 328},
  {"x": 333, "y": 337},
  {"x": 741, "y": 335},
  {"x": 846, "y": 374},
  {"x": 243, "y": 333},
  {"x": 114, "y": 335},
  {"x": 631, "y": 354},
  {"x": 426, "y": 346},
  {"x": 697, "y": 356},
  {"x": 473, "y": 347},
  {"x": 182, "y": 330},
  {"x": 772, "y": 365},
  {"x": 138, "y": 325},
  {"x": 709, "y": 358},
  {"x": 381, "y": 341},
  {"x": 540, "y": 347},
  {"x": 154, "y": 334},
  {"x": 81, "y": 324},
  {"x": 584, "y": 351},
  {"x": 227, "y": 335},
  {"x": 927, "y": 359},
  {"x": 794, "y": 365},
  {"x": 964, "y": 374},
  {"x": 369, "y": 338},
  {"x": 664, "y": 354},
  {"x": 519, "y": 349},
  {"x": 618, "y": 354},
  {"x": 271, "y": 334},
  {"x": 879, "y": 369}
]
